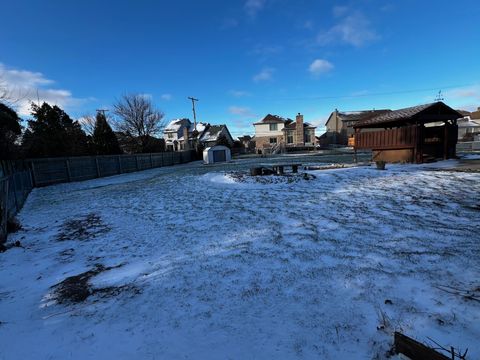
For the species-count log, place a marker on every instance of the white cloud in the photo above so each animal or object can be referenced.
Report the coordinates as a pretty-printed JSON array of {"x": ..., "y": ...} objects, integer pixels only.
[
  {"x": 239, "y": 93},
  {"x": 26, "y": 86},
  {"x": 353, "y": 28},
  {"x": 253, "y": 7},
  {"x": 464, "y": 97},
  {"x": 241, "y": 111},
  {"x": 166, "y": 97},
  {"x": 320, "y": 66},
  {"x": 264, "y": 75}
]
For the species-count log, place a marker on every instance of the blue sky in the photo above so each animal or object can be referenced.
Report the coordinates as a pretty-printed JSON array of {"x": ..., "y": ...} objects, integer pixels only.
[{"x": 242, "y": 59}]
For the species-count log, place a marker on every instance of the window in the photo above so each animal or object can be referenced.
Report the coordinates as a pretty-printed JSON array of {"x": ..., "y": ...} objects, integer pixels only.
[
  {"x": 273, "y": 127},
  {"x": 170, "y": 135},
  {"x": 308, "y": 137},
  {"x": 290, "y": 138},
  {"x": 273, "y": 140}
]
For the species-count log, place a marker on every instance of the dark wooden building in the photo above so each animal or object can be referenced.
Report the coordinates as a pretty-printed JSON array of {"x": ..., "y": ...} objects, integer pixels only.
[{"x": 415, "y": 134}]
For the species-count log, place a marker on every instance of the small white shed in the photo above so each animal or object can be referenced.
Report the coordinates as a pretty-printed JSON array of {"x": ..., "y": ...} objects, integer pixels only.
[{"x": 215, "y": 154}]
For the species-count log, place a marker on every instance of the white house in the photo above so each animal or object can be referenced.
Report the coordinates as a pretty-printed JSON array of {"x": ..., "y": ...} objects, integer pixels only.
[{"x": 176, "y": 131}]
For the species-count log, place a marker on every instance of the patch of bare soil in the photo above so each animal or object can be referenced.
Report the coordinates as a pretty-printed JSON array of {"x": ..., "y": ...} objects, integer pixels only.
[
  {"x": 76, "y": 289},
  {"x": 84, "y": 228},
  {"x": 244, "y": 177}
]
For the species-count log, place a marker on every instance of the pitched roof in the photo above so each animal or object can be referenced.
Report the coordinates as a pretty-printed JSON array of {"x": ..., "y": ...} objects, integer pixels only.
[
  {"x": 213, "y": 132},
  {"x": 437, "y": 111},
  {"x": 245, "y": 138},
  {"x": 271, "y": 119},
  {"x": 293, "y": 126},
  {"x": 176, "y": 124},
  {"x": 360, "y": 115}
]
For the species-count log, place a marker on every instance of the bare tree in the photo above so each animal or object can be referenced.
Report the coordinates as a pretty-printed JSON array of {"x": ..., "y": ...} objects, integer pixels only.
[
  {"x": 87, "y": 122},
  {"x": 138, "y": 119},
  {"x": 4, "y": 92}
]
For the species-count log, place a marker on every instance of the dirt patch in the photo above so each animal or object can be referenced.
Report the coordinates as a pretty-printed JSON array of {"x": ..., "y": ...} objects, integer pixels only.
[
  {"x": 76, "y": 289},
  {"x": 87, "y": 227},
  {"x": 245, "y": 177}
]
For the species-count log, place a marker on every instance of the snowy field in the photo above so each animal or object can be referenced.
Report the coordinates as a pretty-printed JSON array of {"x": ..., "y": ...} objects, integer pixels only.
[{"x": 192, "y": 262}]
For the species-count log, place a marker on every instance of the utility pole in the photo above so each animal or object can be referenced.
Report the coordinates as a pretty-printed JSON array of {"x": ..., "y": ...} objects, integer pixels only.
[
  {"x": 194, "y": 115},
  {"x": 102, "y": 111}
]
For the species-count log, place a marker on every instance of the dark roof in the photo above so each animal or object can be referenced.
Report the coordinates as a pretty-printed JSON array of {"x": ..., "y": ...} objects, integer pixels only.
[
  {"x": 212, "y": 132},
  {"x": 425, "y": 113},
  {"x": 269, "y": 119},
  {"x": 293, "y": 125},
  {"x": 360, "y": 115},
  {"x": 245, "y": 138}
]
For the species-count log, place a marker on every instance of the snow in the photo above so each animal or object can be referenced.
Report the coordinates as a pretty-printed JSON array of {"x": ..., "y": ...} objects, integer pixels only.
[{"x": 229, "y": 269}]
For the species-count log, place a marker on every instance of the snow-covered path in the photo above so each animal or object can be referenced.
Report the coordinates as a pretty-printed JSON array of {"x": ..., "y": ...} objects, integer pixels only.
[{"x": 218, "y": 269}]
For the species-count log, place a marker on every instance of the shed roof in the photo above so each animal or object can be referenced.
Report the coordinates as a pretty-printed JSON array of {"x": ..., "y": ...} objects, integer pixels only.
[{"x": 437, "y": 111}]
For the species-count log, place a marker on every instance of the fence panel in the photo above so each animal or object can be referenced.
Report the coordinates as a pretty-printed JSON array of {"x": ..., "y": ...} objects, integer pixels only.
[
  {"x": 82, "y": 168},
  {"x": 15, "y": 186},
  {"x": 108, "y": 165}
]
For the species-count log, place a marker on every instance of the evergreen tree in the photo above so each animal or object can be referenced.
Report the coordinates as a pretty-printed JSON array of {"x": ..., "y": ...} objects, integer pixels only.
[
  {"x": 104, "y": 139},
  {"x": 53, "y": 133},
  {"x": 10, "y": 129},
  {"x": 222, "y": 140}
]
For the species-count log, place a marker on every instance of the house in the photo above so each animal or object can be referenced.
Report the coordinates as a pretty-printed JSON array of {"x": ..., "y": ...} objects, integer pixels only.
[
  {"x": 216, "y": 135},
  {"x": 181, "y": 134},
  {"x": 415, "y": 134},
  {"x": 468, "y": 128},
  {"x": 277, "y": 133},
  {"x": 174, "y": 134},
  {"x": 340, "y": 125},
  {"x": 247, "y": 144}
]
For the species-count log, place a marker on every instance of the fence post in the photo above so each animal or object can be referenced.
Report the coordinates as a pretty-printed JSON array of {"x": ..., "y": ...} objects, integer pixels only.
[
  {"x": 151, "y": 161},
  {"x": 136, "y": 161},
  {"x": 3, "y": 212},
  {"x": 96, "y": 165},
  {"x": 67, "y": 164},
  {"x": 12, "y": 180},
  {"x": 119, "y": 164},
  {"x": 32, "y": 173}
]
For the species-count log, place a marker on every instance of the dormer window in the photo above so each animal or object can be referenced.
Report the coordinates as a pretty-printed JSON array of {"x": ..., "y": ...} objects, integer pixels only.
[{"x": 273, "y": 127}]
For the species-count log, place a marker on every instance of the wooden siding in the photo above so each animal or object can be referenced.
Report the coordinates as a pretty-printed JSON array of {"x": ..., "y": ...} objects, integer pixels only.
[{"x": 399, "y": 138}]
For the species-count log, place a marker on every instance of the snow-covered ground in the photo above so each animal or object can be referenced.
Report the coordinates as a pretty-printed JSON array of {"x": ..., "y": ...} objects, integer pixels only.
[{"x": 207, "y": 267}]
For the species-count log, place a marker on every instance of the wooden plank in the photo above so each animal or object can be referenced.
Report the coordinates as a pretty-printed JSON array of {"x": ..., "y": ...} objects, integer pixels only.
[{"x": 415, "y": 350}]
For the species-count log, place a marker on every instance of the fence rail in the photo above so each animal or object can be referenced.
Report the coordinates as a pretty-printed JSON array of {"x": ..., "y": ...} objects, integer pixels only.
[
  {"x": 17, "y": 178},
  {"x": 468, "y": 146}
]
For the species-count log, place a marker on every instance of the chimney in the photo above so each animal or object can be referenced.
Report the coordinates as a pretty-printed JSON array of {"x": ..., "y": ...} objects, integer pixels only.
[
  {"x": 300, "y": 140},
  {"x": 186, "y": 145}
]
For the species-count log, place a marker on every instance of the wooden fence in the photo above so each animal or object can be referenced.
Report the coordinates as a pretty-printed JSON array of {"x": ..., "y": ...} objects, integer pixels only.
[
  {"x": 15, "y": 185},
  {"x": 17, "y": 178},
  {"x": 58, "y": 170},
  {"x": 399, "y": 138}
]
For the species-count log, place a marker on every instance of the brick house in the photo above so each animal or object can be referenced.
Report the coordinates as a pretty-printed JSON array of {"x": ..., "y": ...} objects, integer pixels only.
[
  {"x": 340, "y": 125},
  {"x": 274, "y": 133}
]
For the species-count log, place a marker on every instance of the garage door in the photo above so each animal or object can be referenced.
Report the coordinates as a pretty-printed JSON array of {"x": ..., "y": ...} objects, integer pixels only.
[{"x": 219, "y": 156}]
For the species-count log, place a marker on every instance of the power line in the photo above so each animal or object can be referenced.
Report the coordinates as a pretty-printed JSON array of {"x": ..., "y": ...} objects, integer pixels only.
[{"x": 371, "y": 94}]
